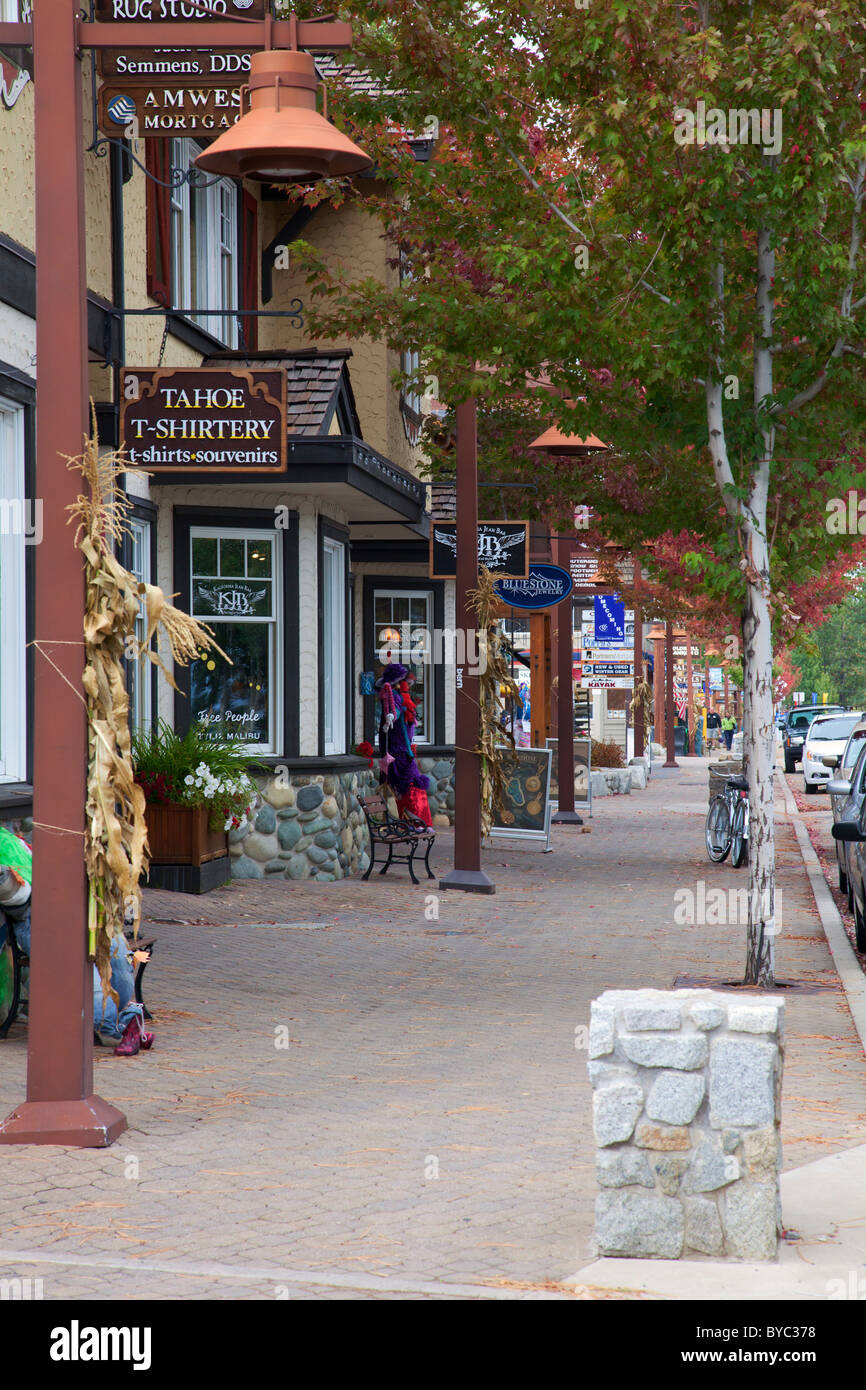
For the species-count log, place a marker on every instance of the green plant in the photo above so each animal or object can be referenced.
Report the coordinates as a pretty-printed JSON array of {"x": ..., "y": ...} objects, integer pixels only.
[
  {"x": 195, "y": 769},
  {"x": 606, "y": 754}
]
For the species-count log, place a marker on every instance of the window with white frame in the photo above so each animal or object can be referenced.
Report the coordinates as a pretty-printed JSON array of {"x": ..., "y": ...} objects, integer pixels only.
[
  {"x": 236, "y": 587},
  {"x": 404, "y": 627},
  {"x": 13, "y": 640},
  {"x": 139, "y": 682},
  {"x": 16, "y": 11},
  {"x": 204, "y": 246},
  {"x": 333, "y": 601}
]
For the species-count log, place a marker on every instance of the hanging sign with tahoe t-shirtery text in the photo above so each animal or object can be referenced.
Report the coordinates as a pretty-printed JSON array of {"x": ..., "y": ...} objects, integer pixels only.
[{"x": 204, "y": 419}]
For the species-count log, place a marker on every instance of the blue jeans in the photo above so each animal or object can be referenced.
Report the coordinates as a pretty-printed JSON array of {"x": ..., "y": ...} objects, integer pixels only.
[
  {"x": 109, "y": 1017},
  {"x": 20, "y": 928}
]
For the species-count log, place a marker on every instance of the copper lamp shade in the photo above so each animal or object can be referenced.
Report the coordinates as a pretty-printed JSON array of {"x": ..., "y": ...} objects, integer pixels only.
[
  {"x": 553, "y": 441},
  {"x": 282, "y": 138}
]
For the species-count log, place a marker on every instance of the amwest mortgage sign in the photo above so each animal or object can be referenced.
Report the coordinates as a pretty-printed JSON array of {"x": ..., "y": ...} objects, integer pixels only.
[
  {"x": 204, "y": 419},
  {"x": 166, "y": 109}
]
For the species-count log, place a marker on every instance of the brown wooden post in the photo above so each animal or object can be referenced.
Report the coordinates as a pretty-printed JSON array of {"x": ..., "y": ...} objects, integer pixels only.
[
  {"x": 671, "y": 760},
  {"x": 60, "y": 1107},
  {"x": 564, "y": 617},
  {"x": 467, "y": 873},
  {"x": 639, "y": 716},
  {"x": 658, "y": 688},
  {"x": 690, "y": 714},
  {"x": 539, "y": 677}
]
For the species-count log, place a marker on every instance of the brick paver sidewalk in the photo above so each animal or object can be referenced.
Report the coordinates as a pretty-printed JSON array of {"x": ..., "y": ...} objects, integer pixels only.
[{"x": 428, "y": 1119}]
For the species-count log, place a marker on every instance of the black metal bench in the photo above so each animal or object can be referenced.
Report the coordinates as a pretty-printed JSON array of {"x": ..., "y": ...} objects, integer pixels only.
[{"x": 406, "y": 831}]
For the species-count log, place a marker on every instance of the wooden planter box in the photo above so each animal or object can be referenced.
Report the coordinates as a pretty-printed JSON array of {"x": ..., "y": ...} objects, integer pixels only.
[{"x": 180, "y": 835}]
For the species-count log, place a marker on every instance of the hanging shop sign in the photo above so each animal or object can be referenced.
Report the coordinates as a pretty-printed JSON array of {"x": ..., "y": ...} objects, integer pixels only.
[
  {"x": 143, "y": 66},
  {"x": 503, "y": 548},
  {"x": 204, "y": 419},
  {"x": 589, "y": 682},
  {"x": 585, "y": 565},
  {"x": 164, "y": 11},
  {"x": 167, "y": 109},
  {"x": 680, "y": 649},
  {"x": 606, "y": 669},
  {"x": 544, "y": 586}
]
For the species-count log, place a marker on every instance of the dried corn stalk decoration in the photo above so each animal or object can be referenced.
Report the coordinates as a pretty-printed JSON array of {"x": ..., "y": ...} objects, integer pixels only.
[
  {"x": 495, "y": 676},
  {"x": 643, "y": 696},
  {"x": 115, "y": 843}
]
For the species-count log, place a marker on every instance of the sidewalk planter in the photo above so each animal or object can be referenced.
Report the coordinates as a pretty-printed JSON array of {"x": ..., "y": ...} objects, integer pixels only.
[
  {"x": 611, "y": 781},
  {"x": 639, "y": 773},
  {"x": 686, "y": 1103},
  {"x": 180, "y": 835}
]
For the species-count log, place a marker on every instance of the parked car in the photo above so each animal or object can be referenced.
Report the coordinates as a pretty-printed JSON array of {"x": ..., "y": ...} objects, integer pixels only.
[
  {"x": 852, "y": 834},
  {"x": 826, "y": 741},
  {"x": 797, "y": 727},
  {"x": 847, "y": 791}
]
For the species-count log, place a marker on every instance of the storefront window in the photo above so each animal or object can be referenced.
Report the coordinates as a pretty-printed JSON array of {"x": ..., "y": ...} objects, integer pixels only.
[
  {"x": 204, "y": 246},
  {"x": 398, "y": 615},
  {"x": 235, "y": 589},
  {"x": 139, "y": 681},
  {"x": 14, "y": 523},
  {"x": 333, "y": 599}
]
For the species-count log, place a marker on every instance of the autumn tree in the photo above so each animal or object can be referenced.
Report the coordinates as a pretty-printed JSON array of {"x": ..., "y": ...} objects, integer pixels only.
[{"x": 659, "y": 206}]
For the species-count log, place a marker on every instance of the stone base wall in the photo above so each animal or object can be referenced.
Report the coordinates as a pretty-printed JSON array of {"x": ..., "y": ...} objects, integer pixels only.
[
  {"x": 305, "y": 826},
  {"x": 686, "y": 1114}
]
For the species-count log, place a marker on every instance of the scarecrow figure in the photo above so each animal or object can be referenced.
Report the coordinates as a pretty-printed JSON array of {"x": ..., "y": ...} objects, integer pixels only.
[{"x": 397, "y": 765}]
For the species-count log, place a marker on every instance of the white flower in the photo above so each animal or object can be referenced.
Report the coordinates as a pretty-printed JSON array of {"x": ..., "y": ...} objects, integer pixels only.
[{"x": 188, "y": 780}]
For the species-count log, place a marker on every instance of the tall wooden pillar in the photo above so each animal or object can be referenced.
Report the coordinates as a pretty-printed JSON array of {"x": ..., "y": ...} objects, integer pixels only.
[{"x": 540, "y": 677}]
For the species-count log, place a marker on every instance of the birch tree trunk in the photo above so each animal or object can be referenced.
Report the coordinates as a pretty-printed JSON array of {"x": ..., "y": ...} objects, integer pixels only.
[
  {"x": 759, "y": 745},
  {"x": 750, "y": 517}
]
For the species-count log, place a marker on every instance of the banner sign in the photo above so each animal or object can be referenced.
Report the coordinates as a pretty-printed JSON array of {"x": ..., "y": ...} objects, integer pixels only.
[
  {"x": 204, "y": 419},
  {"x": 544, "y": 586},
  {"x": 525, "y": 812},
  {"x": 503, "y": 548},
  {"x": 582, "y": 779},
  {"x": 166, "y": 109},
  {"x": 164, "y": 11},
  {"x": 609, "y": 618}
]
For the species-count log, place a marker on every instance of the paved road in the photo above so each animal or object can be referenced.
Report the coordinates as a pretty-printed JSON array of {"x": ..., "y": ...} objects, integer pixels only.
[{"x": 373, "y": 1093}]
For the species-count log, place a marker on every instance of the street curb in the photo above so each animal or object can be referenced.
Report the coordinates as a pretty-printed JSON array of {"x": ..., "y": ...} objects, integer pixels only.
[{"x": 846, "y": 963}]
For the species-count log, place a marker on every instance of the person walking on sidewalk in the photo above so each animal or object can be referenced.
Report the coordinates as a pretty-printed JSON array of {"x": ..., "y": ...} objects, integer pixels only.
[
  {"x": 714, "y": 728},
  {"x": 729, "y": 725}
]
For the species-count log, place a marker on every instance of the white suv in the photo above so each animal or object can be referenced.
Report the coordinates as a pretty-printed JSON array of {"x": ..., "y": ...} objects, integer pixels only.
[{"x": 825, "y": 743}]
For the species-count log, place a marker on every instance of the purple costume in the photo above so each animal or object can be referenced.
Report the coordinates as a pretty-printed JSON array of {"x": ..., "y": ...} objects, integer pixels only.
[{"x": 397, "y": 765}]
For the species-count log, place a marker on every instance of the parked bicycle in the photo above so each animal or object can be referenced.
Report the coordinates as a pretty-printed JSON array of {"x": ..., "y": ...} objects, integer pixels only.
[{"x": 727, "y": 828}]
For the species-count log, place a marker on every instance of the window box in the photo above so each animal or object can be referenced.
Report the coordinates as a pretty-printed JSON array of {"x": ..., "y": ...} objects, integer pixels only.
[{"x": 180, "y": 835}]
